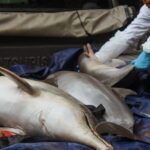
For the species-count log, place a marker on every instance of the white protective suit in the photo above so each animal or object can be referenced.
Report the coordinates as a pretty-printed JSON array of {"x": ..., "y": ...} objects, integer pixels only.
[{"x": 124, "y": 40}]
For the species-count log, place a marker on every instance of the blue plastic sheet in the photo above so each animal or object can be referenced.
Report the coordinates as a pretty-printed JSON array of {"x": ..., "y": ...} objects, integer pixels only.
[
  {"x": 139, "y": 105},
  {"x": 62, "y": 60},
  {"x": 47, "y": 146}
]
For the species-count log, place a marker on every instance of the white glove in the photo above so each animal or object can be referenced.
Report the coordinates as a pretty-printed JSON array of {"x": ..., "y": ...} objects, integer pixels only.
[
  {"x": 146, "y": 46},
  {"x": 126, "y": 39},
  {"x": 113, "y": 48}
]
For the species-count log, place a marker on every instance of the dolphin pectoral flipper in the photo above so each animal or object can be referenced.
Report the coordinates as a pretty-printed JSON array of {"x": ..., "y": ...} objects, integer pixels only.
[
  {"x": 9, "y": 132},
  {"x": 22, "y": 84},
  {"x": 111, "y": 128}
]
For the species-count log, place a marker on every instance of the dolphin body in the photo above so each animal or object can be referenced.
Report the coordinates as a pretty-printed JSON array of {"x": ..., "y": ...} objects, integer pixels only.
[
  {"x": 105, "y": 73},
  {"x": 34, "y": 108},
  {"x": 91, "y": 92}
]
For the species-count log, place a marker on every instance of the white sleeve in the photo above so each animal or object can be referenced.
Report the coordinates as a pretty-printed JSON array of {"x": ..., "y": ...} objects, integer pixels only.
[
  {"x": 113, "y": 48},
  {"x": 124, "y": 40},
  {"x": 139, "y": 26}
]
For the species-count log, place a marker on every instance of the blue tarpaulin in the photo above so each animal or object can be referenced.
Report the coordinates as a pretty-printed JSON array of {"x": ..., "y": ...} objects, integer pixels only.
[{"x": 139, "y": 105}]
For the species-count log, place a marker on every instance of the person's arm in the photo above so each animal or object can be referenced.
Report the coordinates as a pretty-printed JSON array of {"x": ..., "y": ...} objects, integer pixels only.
[
  {"x": 143, "y": 60},
  {"x": 126, "y": 39}
]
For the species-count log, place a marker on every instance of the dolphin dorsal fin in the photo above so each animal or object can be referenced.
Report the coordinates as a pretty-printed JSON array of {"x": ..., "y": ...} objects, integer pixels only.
[{"x": 22, "y": 84}]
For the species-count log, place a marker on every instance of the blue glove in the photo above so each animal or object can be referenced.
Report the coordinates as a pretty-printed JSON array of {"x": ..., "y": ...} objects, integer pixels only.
[{"x": 143, "y": 61}]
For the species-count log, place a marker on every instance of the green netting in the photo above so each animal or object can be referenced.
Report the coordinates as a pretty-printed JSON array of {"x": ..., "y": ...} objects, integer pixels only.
[{"x": 12, "y": 1}]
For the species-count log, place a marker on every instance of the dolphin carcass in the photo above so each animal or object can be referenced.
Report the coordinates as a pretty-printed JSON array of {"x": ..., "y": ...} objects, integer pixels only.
[
  {"x": 106, "y": 74},
  {"x": 91, "y": 92},
  {"x": 34, "y": 108}
]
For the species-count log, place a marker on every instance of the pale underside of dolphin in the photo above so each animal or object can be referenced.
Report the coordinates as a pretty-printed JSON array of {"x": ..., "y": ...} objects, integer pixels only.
[
  {"x": 35, "y": 108},
  {"x": 91, "y": 92},
  {"x": 106, "y": 74}
]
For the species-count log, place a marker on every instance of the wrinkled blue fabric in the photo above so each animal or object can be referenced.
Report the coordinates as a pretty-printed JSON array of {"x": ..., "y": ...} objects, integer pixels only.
[
  {"x": 47, "y": 146},
  {"x": 62, "y": 60},
  {"x": 143, "y": 61},
  {"x": 139, "y": 105},
  {"x": 126, "y": 144}
]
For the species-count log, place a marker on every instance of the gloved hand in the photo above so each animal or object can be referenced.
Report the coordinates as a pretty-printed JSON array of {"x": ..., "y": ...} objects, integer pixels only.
[{"x": 143, "y": 61}]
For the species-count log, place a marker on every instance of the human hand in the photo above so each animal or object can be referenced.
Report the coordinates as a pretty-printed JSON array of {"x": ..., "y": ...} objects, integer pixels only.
[{"x": 142, "y": 61}]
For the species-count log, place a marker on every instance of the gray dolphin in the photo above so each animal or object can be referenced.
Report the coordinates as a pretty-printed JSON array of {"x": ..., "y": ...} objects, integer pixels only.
[
  {"x": 106, "y": 74},
  {"x": 34, "y": 108},
  {"x": 91, "y": 92}
]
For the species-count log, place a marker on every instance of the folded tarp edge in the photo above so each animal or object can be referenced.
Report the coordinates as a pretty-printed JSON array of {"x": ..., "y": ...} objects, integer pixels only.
[{"x": 63, "y": 24}]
